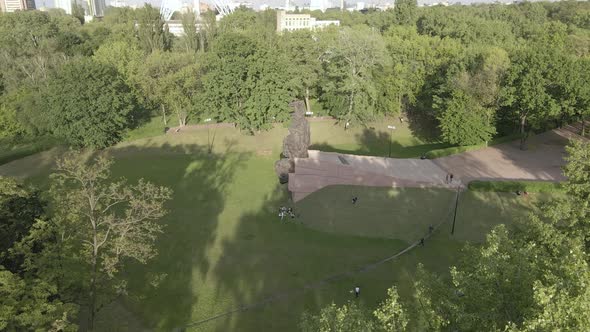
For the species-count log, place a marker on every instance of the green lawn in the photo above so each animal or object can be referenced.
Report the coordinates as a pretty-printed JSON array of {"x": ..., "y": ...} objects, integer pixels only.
[
  {"x": 19, "y": 148},
  {"x": 224, "y": 245},
  {"x": 327, "y": 135}
]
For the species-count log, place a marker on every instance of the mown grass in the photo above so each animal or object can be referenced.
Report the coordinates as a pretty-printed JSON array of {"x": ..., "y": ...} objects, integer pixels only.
[
  {"x": 22, "y": 147},
  {"x": 224, "y": 245}
]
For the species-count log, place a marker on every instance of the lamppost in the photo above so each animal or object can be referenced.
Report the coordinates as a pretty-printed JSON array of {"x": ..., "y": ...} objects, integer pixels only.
[
  {"x": 209, "y": 145},
  {"x": 392, "y": 128}
]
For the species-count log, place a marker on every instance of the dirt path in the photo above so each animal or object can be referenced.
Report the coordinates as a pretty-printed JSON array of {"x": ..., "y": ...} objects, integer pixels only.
[{"x": 542, "y": 161}]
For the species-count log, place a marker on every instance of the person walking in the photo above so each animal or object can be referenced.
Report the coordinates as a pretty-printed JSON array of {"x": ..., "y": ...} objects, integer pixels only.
[
  {"x": 451, "y": 177},
  {"x": 354, "y": 199},
  {"x": 357, "y": 291}
]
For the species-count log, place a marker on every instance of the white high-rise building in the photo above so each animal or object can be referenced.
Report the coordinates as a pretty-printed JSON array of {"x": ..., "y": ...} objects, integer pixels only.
[
  {"x": 64, "y": 4},
  {"x": 96, "y": 8},
  {"x": 10, "y": 6}
]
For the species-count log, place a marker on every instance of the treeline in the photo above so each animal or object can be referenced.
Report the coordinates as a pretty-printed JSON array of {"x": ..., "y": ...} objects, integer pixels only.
[{"x": 461, "y": 74}]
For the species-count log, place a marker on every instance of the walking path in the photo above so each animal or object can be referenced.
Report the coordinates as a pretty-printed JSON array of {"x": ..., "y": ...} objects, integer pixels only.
[
  {"x": 542, "y": 161},
  {"x": 323, "y": 169}
]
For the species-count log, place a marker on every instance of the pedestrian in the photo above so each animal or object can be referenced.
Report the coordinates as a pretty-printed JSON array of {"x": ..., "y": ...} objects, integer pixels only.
[
  {"x": 422, "y": 242},
  {"x": 451, "y": 177},
  {"x": 357, "y": 291},
  {"x": 430, "y": 229},
  {"x": 354, "y": 199}
]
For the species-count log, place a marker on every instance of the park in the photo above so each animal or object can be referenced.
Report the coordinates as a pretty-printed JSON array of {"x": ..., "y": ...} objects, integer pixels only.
[
  {"x": 225, "y": 248},
  {"x": 405, "y": 167}
]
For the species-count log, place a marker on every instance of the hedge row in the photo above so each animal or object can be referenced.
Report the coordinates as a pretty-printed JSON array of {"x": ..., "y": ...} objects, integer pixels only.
[{"x": 514, "y": 186}]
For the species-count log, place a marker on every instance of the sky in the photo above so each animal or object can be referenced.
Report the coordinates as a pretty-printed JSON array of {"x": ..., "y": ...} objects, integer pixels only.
[{"x": 271, "y": 3}]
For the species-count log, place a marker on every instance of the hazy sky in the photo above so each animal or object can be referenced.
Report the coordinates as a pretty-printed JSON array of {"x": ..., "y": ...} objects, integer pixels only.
[{"x": 272, "y": 3}]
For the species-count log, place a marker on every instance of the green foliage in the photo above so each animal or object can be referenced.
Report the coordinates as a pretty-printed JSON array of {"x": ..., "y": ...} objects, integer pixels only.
[
  {"x": 349, "y": 91},
  {"x": 405, "y": 11},
  {"x": 107, "y": 222},
  {"x": 514, "y": 186},
  {"x": 389, "y": 316},
  {"x": 9, "y": 125},
  {"x": 19, "y": 208},
  {"x": 32, "y": 305},
  {"x": 245, "y": 81},
  {"x": 463, "y": 121},
  {"x": 151, "y": 31},
  {"x": 88, "y": 104}
]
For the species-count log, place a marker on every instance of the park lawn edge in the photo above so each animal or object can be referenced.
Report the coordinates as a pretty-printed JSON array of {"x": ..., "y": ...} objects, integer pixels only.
[{"x": 517, "y": 185}]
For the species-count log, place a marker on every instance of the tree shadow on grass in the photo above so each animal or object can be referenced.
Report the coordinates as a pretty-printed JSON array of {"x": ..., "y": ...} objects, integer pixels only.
[
  {"x": 199, "y": 180},
  {"x": 423, "y": 125},
  {"x": 274, "y": 268},
  {"x": 372, "y": 142}
]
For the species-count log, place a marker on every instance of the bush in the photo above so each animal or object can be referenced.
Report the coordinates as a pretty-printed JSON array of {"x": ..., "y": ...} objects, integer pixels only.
[
  {"x": 513, "y": 186},
  {"x": 458, "y": 149}
]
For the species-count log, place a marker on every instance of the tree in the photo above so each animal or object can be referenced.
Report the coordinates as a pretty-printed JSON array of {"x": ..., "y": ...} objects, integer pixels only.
[
  {"x": 28, "y": 301},
  {"x": 244, "y": 81},
  {"x": 78, "y": 12},
  {"x": 19, "y": 209},
  {"x": 390, "y": 316},
  {"x": 32, "y": 305},
  {"x": 349, "y": 90},
  {"x": 106, "y": 221},
  {"x": 526, "y": 90},
  {"x": 463, "y": 121},
  {"x": 181, "y": 92},
  {"x": 10, "y": 127},
  {"x": 405, "y": 11},
  {"x": 305, "y": 50},
  {"x": 170, "y": 82},
  {"x": 349, "y": 317},
  {"x": 152, "y": 33},
  {"x": 533, "y": 277},
  {"x": 191, "y": 36},
  {"x": 88, "y": 104}
]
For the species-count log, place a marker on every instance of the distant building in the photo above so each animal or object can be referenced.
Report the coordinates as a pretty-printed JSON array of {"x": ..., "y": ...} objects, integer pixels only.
[
  {"x": 318, "y": 5},
  {"x": 64, "y": 4},
  {"x": 96, "y": 8},
  {"x": 176, "y": 28},
  {"x": 9, "y": 6},
  {"x": 291, "y": 22}
]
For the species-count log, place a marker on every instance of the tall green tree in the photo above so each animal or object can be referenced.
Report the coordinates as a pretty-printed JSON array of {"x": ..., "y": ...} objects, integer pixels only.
[
  {"x": 107, "y": 222},
  {"x": 526, "y": 90},
  {"x": 152, "y": 32},
  {"x": 245, "y": 81},
  {"x": 463, "y": 121},
  {"x": 349, "y": 90},
  {"x": 88, "y": 104},
  {"x": 405, "y": 11}
]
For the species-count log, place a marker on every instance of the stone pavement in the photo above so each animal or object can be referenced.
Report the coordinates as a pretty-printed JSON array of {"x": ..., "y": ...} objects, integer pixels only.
[{"x": 543, "y": 161}]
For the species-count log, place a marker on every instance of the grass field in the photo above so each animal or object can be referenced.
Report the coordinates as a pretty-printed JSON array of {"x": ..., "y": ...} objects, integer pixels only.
[{"x": 224, "y": 245}]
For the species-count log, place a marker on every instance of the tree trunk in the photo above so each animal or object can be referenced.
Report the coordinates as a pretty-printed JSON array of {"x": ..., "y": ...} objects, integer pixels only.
[
  {"x": 92, "y": 304},
  {"x": 523, "y": 135},
  {"x": 583, "y": 127},
  {"x": 307, "y": 105},
  {"x": 164, "y": 115}
]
